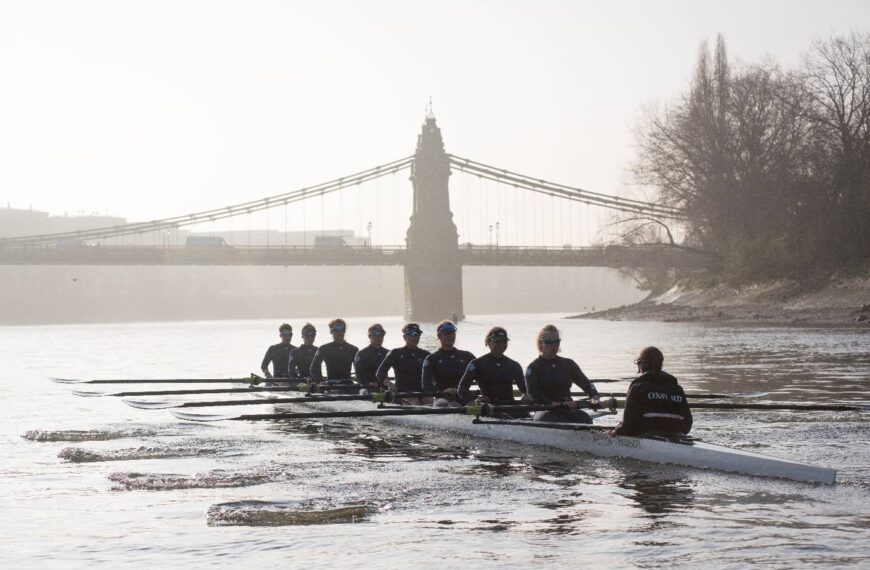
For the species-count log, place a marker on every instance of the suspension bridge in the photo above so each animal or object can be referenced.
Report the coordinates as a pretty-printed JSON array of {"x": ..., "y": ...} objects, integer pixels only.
[{"x": 519, "y": 209}]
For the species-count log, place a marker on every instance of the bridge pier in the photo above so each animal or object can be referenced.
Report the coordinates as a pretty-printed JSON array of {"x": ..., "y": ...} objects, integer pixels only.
[{"x": 433, "y": 269}]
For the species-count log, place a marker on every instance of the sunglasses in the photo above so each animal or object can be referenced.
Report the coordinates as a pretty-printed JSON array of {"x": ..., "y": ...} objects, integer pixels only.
[
  {"x": 552, "y": 341},
  {"x": 377, "y": 333},
  {"x": 285, "y": 334},
  {"x": 412, "y": 333},
  {"x": 337, "y": 329}
]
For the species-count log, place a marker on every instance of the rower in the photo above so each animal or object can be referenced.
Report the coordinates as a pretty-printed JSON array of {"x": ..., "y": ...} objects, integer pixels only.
[
  {"x": 443, "y": 369},
  {"x": 300, "y": 358},
  {"x": 278, "y": 355},
  {"x": 655, "y": 403},
  {"x": 338, "y": 355},
  {"x": 406, "y": 361},
  {"x": 549, "y": 379},
  {"x": 495, "y": 373},
  {"x": 368, "y": 359}
]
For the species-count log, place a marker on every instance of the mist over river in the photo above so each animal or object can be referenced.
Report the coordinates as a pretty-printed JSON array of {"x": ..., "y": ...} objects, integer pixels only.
[{"x": 90, "y": 482}]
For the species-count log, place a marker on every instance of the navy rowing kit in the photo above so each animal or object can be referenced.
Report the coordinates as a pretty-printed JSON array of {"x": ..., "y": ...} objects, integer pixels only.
[
  {"x": 300, "y": 361},
  {"x": 366, "y": 363},
  {"x": 496, "y": 376},
  {"x": 656, "y": 405},
  {"x": 444, "y": 368},
  {"x": 549, "y": 382},
  {"x": 338, "y": 357},
  {"x": 278, "y": 355},
  {"x": 407, "y": 365}
]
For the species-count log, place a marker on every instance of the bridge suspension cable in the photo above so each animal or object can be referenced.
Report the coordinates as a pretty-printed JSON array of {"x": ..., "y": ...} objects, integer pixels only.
[
  {"x": 218, "y": 213},
  {"x": 559, "y": 190}
]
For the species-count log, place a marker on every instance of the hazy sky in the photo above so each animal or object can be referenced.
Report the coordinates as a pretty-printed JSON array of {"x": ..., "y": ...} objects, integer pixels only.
[{"x": 149, "y": 109}]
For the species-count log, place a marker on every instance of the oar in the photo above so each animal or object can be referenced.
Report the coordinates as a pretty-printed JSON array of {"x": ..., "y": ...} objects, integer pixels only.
[
  {"x": 797, "y": 407},
  {"x": 699, "y": 396},
  {"x": 252, "y": 379},
  {"x": 376, "y": 397},
  {"x": 477, "y": 410},
  {"x": 289, "y": 388}
]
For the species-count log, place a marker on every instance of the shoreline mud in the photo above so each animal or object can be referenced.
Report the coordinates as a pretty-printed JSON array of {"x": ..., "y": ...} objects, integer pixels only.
[{"x": 831, "y": 302}]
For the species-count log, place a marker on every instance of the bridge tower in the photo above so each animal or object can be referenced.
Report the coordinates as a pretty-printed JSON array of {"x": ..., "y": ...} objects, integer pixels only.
[{"x": 433, "y": 271}]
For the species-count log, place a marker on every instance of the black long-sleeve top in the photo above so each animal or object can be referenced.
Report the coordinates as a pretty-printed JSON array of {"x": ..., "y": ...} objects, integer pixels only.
[
  {"x": 549, "y": 381},
  {"x": 655, "y": 404},
  {"x": 444, "y": 368},
  {"x": 366, "y": 363},
  {"x": 496, "y": 376},
  {"x": 278, "y": 355},
  {"x": 338, "y": 357},
  {"x": 407, "y": 364},
  {"x": 300, "y": 361}
]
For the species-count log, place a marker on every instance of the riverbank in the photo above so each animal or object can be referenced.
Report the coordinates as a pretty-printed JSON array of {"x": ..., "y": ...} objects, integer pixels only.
[{"x": 835, "y": 301}]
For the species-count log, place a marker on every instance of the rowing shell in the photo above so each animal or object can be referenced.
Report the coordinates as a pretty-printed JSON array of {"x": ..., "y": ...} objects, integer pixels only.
[{"x": 685, "y": 452}]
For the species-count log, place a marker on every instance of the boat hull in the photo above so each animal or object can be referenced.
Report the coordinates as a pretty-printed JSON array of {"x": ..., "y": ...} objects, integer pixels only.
[{"x": 690, "y": 453}]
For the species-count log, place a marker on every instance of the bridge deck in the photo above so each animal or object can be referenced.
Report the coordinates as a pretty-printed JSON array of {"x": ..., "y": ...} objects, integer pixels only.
[{"x": 604, "y": 256}]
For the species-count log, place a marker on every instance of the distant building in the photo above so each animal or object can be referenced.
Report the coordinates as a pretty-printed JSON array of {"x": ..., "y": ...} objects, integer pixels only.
[{"x": 15, "y": 222}]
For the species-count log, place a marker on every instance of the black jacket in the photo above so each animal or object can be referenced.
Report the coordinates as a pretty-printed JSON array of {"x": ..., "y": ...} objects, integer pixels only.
[
  {"x": 655, "y": 404},
  {"x": 444, "y": 368},
  {"x": 496, "y": 376},
  {"x": 407, "y": 364},
  {"x": 279, "y": 356},
  {"x": 338, "y": 357},
  {"x": 549, "y": 381}
]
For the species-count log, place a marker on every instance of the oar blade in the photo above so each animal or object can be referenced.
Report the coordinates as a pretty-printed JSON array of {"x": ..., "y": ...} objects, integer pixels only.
[
  {"x": 194, "y": 417},
  {"x": 67, "y": 380},
  {"x": 89, "y": 393},
  {"x": 149, "y": 404}
]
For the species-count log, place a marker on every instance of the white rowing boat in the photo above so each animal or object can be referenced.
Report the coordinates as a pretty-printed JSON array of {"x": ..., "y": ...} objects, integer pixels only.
[{"x": 687, "y": 452}]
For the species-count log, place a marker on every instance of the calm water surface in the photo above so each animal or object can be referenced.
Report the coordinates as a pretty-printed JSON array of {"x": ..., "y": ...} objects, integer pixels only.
[{"x": 90, "y": 481}]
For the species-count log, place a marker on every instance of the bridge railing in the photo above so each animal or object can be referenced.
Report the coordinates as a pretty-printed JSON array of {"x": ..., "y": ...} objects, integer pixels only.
[{"x": 469, "y": 254}]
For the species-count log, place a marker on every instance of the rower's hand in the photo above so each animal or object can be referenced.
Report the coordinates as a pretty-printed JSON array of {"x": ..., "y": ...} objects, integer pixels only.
[
  {"x": 594, "y": 403},
  {"x": 451, "y": 391},
  {"x": 375, "y": 387},
  {"x": 481, "y": 400},
  {"x": 526, "y": 399},
  {"x": 572, "y": 405},
  {"x": 267, "y": 374}
]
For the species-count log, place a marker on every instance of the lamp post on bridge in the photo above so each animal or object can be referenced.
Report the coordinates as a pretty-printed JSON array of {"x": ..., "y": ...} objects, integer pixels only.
[
  {"x": 369, "y": 228},
  {"x": 490, "y": 236},
  {"x": 497, "y": 224}
]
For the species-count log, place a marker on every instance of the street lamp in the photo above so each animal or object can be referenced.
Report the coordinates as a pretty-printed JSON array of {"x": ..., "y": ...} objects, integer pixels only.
[
  {"x": 496, "y": 234},
  {"x": 490, "y": 236},
  {"x": 369, "y": 228}
]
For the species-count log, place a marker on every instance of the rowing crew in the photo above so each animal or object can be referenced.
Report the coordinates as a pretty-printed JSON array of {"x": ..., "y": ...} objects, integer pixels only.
[{"x": 655, "y": 402}]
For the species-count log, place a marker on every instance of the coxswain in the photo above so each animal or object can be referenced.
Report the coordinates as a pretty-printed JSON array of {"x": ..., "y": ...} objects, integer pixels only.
[
  {"x": 278, "y": 355},
  {"x": 495, "y": 373},
  {"x": 300, "y": 358},
  {"x": 337, "y": 355},
  {"x": 368, "y": 359},
  {"x": 406, "y": 361},
  {"x": 443, "y": 369},
  {"x": 655, "y": 403},
  {"x": 549, "y": 379}
]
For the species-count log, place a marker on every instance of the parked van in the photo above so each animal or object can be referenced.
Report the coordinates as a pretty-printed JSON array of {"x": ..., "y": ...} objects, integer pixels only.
[{"x": 205, "y": 241}]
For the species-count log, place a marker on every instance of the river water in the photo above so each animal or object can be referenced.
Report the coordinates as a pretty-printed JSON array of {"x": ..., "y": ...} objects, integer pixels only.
[{"x": 90, "y": 481}]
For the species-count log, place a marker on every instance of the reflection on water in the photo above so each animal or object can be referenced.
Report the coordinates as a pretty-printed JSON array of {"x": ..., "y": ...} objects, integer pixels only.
[{"x": 658, "y": 497}]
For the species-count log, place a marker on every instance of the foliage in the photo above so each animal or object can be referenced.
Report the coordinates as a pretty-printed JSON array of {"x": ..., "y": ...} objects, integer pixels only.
[{"x": 772, "y": 167}]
